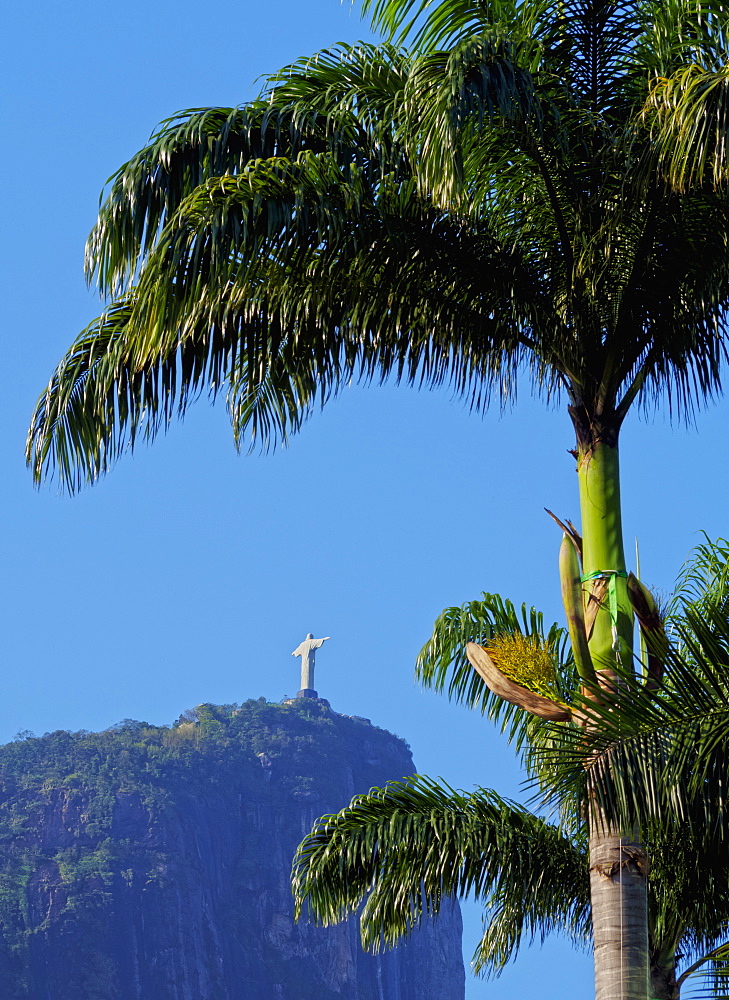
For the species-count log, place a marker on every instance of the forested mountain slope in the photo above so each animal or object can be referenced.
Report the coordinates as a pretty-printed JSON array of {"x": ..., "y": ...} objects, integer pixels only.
[{"x": 152, "y": 863}]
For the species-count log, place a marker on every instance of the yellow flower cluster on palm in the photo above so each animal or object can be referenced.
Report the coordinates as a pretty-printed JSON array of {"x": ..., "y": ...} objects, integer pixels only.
[{"x": 526, "y": 660}]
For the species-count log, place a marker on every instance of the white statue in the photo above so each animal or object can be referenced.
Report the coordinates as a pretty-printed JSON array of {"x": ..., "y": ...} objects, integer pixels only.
[{"x": 307, "y": 652}]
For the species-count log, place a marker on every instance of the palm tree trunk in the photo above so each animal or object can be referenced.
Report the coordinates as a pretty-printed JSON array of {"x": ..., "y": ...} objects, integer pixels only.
[
  {"x": 619, "y": 915},
  {"x": 617, "y": 862},
  {"x": 663, "y": 981}
]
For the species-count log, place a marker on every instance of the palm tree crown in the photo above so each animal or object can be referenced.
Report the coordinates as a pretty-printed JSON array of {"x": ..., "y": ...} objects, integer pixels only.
[{"x": 542, "y": 194}]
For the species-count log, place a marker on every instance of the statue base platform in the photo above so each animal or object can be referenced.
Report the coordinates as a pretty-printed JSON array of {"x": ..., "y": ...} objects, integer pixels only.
[{"x": 311, "y": 697}]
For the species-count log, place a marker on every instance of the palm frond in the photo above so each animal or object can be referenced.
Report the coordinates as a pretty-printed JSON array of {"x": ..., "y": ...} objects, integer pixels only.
[
  {"x": 703, "y": 580},
  {"x": 688, "y": 895},
  {"x": 708, "y": 977},
  {"x": 425, "y": 25},
  {"x": 69, "y": 430},
  {"x": 322, "y": 102},
  {"x": 187, "y": 150},
  {"x": 256, "y": 272},
  {"x": 689, "y": 115},
  {"x": 403, "y": 849}
]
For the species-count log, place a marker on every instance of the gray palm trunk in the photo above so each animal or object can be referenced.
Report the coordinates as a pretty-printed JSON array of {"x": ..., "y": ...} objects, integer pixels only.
[{"x": 619, "y": 915}]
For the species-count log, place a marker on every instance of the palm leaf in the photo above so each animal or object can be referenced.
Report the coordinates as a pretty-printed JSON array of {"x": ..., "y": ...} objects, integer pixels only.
[
  {"x": 203, "y": 313},
  {"x": 403, "y": 849},
  {"x": 315, "y": 104}
]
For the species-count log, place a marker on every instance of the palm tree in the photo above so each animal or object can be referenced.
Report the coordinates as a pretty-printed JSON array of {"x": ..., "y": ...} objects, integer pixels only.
[
  {"x": 659, "y": 758},
  {"x": 537, "y": 189},
  {"x": 394, "y": 854}
]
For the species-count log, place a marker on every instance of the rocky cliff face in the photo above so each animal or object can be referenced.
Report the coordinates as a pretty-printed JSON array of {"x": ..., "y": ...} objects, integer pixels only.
[{"x": 151, "y": 863}]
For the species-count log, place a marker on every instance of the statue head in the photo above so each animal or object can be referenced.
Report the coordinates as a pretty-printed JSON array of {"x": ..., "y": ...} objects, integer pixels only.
[{"x": 309, "y": 635}]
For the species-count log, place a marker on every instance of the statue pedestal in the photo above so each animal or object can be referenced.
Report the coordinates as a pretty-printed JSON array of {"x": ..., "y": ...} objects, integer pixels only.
[{"x": 307, "y": 693}]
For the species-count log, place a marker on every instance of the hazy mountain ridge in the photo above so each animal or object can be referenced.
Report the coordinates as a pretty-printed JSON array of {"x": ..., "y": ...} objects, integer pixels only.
[{"x": 152, "y": 863}]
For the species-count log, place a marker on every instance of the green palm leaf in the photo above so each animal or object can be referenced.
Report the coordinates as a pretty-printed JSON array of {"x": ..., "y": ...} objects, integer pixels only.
[
  {"x": 402, "y": 850},
  {"x": 396, "y": 854}
]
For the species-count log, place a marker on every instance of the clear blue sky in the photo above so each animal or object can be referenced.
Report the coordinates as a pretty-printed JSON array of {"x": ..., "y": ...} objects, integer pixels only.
[{"x": 190, "y": 573}]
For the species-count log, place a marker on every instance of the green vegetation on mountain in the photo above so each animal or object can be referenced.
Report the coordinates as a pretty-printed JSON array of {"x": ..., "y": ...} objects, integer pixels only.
[{"x": 145, "y": 862}]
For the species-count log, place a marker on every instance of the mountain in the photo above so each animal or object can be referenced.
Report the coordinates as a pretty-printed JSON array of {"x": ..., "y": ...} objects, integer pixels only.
[{"x": 152, "y": 863}]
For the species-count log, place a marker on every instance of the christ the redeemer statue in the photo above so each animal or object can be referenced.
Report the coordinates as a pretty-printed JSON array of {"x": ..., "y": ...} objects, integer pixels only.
[{"x": 307, "y": 652}]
